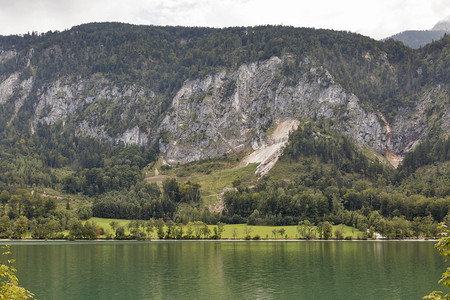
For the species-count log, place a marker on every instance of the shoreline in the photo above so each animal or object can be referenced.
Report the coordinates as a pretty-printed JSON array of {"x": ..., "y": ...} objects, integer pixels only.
[{"x": 5, "y": 241}]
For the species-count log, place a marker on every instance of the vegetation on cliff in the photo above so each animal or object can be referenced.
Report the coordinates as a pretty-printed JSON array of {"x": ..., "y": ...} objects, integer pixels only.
[{"x": 323, "y": 176}]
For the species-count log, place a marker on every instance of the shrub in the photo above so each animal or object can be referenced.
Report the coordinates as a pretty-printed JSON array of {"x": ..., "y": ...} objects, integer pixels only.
[
  {"x": 84, "y": 213},
  {"x": 10, "y": 288},
  {"x": 60, "y": 236},
  {"x": 362, "y": 236}
]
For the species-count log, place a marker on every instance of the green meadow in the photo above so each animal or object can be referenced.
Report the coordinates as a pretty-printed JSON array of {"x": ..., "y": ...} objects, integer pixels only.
[{"x": 240, "y": 231}]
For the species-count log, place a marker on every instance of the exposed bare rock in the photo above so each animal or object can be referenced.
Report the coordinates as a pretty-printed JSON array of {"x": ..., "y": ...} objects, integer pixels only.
[
  {"x": 390, "y": 155},
  {"x": 23, "y": 90},
  {"x": 7, "y": 87},
  {"x": 134, "y": 136},
  {"x": 7, "y": 55},
  {"x": 411, "y": 125},
  {"x": 100, "y": 103},
  {"x": 268, "y": 154},
  {"x": 13, "y": 86},
  {"x": 249, "y": 107},
  {"x": 233, "y": 110}
]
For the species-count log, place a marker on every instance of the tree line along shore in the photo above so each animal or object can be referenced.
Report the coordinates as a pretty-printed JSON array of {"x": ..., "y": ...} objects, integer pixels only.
[{"x": 116, "y": 229}]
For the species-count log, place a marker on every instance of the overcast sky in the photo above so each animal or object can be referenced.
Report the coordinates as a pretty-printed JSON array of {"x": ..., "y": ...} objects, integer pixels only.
[{"x": 375, "y": 18}]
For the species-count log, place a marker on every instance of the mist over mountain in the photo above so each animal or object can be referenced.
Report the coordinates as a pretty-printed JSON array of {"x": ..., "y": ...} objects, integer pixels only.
[{"x": 442, "y": 25}]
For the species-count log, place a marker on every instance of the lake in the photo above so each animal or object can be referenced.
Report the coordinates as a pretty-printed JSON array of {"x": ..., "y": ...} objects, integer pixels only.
[{"x": 228, "y": 270}]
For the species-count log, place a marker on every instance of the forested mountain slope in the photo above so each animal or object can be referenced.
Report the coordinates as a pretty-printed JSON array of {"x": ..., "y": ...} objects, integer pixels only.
[
  {"x": 86, "y": 112},
  {"x": 221, "y": 87}
]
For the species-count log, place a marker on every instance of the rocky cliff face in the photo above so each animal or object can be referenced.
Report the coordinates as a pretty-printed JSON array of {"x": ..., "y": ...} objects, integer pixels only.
[
  {"x": 15, "y": 87},
  {"x": 411, "y": 125},
  {"x": 229, "y": 111},
  {"x": 98, "y": 108},
  {"x": 234, "y": 110}
]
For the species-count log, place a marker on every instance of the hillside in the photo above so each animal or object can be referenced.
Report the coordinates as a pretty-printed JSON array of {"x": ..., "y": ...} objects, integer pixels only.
[
  {"x": 127, "y": 83},
  {"x": 419, "y": 38},
  {"x": 90, "y": 112}
]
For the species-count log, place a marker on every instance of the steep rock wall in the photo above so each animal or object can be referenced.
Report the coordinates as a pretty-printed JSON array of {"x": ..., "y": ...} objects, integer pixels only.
[
  {"x": 412, "y": 124},
  {"x": 232, "y": 110},
  {"x": 98, "y": 108},
  {"x": 229, "y": 111}
]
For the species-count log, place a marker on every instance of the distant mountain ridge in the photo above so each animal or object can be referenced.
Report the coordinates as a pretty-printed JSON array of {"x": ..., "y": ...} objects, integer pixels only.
[
  {"x": 419, "y": 38},
  {"x": 443, "y": 25}
]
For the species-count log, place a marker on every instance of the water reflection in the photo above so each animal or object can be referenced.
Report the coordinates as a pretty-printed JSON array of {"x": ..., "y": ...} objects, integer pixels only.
[{"x": 229, "y": 270}]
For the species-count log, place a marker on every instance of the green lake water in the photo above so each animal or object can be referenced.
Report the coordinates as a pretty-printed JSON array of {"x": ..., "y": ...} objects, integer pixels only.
[{"x": 228, "y": 270}]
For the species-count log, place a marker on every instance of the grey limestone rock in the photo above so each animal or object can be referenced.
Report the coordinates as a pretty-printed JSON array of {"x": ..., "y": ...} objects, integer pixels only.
[{"x": 232, "y": 110}]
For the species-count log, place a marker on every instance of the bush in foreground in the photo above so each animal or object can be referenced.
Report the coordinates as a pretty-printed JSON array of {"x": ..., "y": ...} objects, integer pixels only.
[
  {"x": 444, "y": 248},
  {"x": 10, "y": 288}
]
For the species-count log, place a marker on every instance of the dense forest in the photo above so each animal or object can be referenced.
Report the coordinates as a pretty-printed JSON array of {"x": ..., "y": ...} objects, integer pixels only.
[
  {"x": 381, "y": 74},
  {"x": 326, "y": 177}
]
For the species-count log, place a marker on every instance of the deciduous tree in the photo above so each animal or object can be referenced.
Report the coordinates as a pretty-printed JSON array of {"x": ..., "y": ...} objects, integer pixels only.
[
  {"x": 10, "y": 288},
  {"x": 444, "y": 248}
]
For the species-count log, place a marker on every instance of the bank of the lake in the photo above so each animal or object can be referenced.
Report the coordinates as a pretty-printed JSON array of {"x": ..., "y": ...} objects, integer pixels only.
[
  {"x": 234, "y": 231},
  {"x": 46, "y": 241},
  {"x": 228, "y": 270}
]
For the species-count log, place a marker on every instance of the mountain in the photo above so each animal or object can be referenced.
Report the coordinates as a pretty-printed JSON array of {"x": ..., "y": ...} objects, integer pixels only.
[
  {"x": 265, "y": 125},
  {"x": 202, "y": 92},
  {"x": 443, "y": 25},
  {"x": 419, "y": 38}
]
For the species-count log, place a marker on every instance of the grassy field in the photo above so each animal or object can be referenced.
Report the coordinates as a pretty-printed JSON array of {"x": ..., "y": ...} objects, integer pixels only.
[
  {"x": 264, "y": 232},
  {"x": 267, "y": 232},
  {"x": 76, "y": 201},
  {"x": 105, "y": 222},
  {"x": 214, "y": 183},
  {"x": 205, "y": 166}
]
